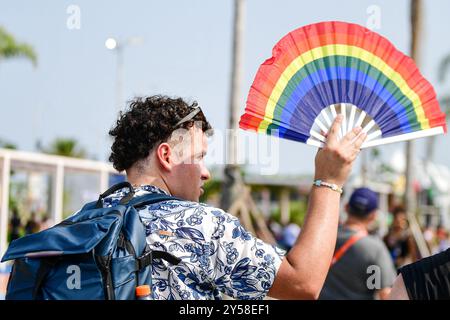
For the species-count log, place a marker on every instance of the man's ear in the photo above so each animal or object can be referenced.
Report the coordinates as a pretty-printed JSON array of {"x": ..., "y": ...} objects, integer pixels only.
[{"x": 164, "y": 156}]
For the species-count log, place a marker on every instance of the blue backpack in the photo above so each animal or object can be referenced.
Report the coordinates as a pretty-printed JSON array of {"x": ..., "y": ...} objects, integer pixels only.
[{"x": 98, "y": 253}]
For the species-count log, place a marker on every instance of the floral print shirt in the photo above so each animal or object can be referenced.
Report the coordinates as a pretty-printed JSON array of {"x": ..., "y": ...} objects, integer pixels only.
[{"x": 217, "y": 254}]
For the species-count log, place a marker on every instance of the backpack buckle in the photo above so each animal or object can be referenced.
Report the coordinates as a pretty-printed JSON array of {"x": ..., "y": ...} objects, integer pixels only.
[
  {"x": 144, "y": 260},
  {"x": 148, "y": 256}
]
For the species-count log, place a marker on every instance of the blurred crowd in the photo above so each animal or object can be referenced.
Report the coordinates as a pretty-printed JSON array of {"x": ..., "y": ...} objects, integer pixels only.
[
  {"x": 360, "y": 246},
  {"x": 398, "y": 240},
  {"x": 25, "y": 224}
]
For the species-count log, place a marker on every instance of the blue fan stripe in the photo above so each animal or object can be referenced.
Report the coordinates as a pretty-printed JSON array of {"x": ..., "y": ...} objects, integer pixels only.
[
  {"x": 307, "y": 108},
  {"x": 347, "y": 87}
]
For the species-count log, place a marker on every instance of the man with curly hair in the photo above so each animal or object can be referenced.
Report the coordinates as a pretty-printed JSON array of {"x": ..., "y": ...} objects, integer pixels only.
[{"x": 161, "y": 143}]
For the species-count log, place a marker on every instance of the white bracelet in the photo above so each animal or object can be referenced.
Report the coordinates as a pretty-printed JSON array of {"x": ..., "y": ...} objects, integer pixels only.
[{"x": 332, "y": 186}]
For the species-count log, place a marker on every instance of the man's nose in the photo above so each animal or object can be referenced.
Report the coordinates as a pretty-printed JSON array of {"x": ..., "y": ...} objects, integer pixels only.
[{"x": 206, "y": 175}]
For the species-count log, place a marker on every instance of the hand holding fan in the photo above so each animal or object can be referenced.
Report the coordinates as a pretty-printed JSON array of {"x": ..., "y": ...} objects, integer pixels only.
[{"x": 324, "y": 69}]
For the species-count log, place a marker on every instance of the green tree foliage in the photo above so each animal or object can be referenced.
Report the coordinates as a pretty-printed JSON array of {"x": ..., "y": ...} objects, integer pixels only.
[
  {"x": 297, "y": 212},
  {"x": 7, "y": 145},
  {"x": 65, "y": 147},
  {"x": 10, "y": 48}
]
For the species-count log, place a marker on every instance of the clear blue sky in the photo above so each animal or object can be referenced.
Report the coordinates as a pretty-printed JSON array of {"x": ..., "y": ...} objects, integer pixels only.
[{"x": 186, "y": 52}]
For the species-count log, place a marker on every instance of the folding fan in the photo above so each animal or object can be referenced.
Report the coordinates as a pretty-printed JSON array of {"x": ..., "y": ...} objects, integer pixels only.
[{"x": 324, "y": 69}]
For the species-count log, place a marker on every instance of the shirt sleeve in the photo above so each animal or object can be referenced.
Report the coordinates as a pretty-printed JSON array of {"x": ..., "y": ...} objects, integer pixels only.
[{"x": 244, "y": 266}]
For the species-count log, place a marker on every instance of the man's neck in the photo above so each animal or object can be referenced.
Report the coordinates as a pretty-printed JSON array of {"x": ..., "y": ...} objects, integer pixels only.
[
  {"x": 140, "y": 180},
  {"x": 355, "y": 224}
]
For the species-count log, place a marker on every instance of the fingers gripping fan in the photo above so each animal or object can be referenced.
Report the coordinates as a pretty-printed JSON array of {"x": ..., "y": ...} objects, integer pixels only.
[{"x": 324, "y": 69}]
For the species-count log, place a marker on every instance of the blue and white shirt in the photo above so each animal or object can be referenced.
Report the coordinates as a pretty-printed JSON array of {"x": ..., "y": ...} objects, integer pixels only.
[{"x": 217, "y": 254}]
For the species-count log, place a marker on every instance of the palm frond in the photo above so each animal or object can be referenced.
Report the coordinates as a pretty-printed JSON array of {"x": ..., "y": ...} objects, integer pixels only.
[
  {"x": 66, "y": 147},
  {"x": 10, "y": 48}
]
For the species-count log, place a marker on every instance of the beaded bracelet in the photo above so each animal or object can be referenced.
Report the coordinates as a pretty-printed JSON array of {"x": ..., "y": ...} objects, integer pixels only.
[{"x": 332, "y": 186}]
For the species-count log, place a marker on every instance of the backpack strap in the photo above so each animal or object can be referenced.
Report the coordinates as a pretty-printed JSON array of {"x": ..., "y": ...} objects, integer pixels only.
[
  {"x": 44, "y": 267},
  {"x": 148, "y": 256},
  {"x": 166, "y": 256},
  {"x": 347, "y": 245},
  {"x": 114, "y": 188}
]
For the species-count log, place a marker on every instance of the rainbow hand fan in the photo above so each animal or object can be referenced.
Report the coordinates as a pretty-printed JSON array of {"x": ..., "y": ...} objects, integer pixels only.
[{"x": 324, "y": 69}]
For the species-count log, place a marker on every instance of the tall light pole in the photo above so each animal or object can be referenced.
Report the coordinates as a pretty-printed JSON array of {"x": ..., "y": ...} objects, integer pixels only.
[
  {"x": 118, "y": 47},
  {"x": 232, "y": 176}
]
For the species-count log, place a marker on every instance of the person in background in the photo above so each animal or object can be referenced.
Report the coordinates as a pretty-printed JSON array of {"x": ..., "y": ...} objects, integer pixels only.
[
  {"x": 32, "y": 225},
  {"x": 426, "y": 279},
  {"x": 15, "y": 225},
  {"x": 275, "y": 228},
  {"x": 46, "y": 223},
  {"x": 359, "y": 255},
  {"x": 429, "y": 236},
  {"x": 399, "y": 239},
  {"x": 289, "y": 235},
  {"x": 442, "y": 239}
]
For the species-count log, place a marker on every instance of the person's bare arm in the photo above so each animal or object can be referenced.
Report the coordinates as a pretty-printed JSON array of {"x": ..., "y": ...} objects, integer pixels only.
[
  {"x": 414, "y": 255},
  {"x": 398, "y": 291},
  {"x": 303, "y": 271},
  {"x": 383, "y": 294}
]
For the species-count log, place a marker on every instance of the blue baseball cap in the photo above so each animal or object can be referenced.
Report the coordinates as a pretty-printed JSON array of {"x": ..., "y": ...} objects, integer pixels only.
[{"x": 363, "y": 201}]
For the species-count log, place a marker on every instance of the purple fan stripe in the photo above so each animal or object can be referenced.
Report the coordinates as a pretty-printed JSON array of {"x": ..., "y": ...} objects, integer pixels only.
[
  {"x": 305, "y": 110},
  {"x": 344, "y": 85}
]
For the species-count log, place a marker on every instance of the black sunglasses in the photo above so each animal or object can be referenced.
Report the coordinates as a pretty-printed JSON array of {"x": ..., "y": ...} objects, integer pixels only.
[{"x": 190, "y": 116}]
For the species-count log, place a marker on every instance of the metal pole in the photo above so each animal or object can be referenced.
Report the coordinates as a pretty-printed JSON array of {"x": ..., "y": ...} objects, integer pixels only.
[
  {"x": 104, "y": 180},
  {"x": 120, "y": 77},
  {"x": 232, "y": 183},
  {"x": 58, "y": 193}
]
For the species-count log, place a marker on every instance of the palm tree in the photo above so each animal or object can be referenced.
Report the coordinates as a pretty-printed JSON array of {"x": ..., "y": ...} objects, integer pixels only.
[
  {"x": 10, "y": 48},
  {"x": 7, "y": 145},
  {"x": 410, "y": 199},
  {"x": 416, "y": 29},
  {"x": 65, "y": 147}
]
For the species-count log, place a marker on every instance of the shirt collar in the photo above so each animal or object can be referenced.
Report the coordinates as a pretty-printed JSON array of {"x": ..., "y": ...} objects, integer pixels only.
[
  {"x": 150, "y": 188},
  {"x": 114, "y": 198}
]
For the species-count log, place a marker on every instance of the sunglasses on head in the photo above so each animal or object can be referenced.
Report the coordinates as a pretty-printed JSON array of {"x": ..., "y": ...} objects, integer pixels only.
[{"x": 190, "y": 116}]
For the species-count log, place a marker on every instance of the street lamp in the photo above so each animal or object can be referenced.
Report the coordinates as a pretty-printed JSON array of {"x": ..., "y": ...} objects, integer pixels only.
[
  {"x": 111, "y": 43},
  {"x": 118, "y": 47}
]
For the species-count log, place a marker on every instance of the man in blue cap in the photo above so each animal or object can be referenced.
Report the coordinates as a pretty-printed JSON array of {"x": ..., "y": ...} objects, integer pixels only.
[{"x": 361, "y": 268}]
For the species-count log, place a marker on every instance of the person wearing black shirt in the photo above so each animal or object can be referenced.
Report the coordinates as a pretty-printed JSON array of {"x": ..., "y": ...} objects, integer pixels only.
[{"x": 426, "y": 279}]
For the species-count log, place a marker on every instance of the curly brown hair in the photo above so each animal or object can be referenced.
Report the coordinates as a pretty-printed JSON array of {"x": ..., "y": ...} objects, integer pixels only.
[{"x": 148, "y": 122}]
